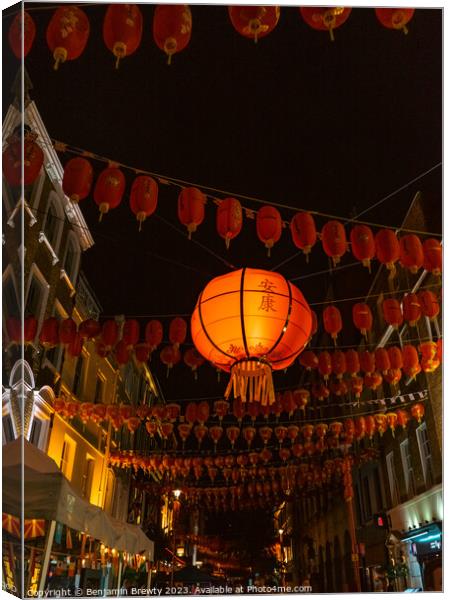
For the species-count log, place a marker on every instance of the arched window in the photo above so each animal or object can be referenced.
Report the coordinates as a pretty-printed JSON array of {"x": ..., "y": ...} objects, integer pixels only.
[
  {"x": 53, "y": 221},
  {"x": 71, "y": 260}
]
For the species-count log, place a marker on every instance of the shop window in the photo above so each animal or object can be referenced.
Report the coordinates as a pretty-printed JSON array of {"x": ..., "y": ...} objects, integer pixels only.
[
  {"x": 424, "y": 452},
  {"x": 8, "y": 429},
  {"x": 408, "y": 468},
  {"x": 392, "y": 479},
  {"x": 71, "y": 260},
  {"x": 88, "y": 477},
  {"x": 67, "y": 456}
]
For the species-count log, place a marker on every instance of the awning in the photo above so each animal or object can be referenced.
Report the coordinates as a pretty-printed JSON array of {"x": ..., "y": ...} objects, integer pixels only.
[
  {"x": 420, "y": 534},
  {"x": 48, "y": 495}
]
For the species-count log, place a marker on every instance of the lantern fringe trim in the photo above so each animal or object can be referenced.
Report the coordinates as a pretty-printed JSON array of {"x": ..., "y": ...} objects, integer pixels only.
[{"x": 251, "y": 379}]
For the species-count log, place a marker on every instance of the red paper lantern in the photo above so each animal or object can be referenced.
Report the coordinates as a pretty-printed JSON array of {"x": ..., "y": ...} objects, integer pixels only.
[
  {"x": 269, "y": 226},
  {"x": 392, "y": 312},
  {"x": 387, "y": 248},
  {"x": 172, "y": 28},
  {"x": 428, "y": 350},
  {"x": 177, "y": 331},
  {"x": 254, "y": 21},
  {"x": 19, "y": 46},
  {"x": 324, "y": 364},
  {"x": 352, "y": 362},
  {"x": 49, "y": 334},
  {"x": 433, "y": 256},
  {"x": 326, "y": 18},
  {"x": 67, "y": 331},
  {"x": 191, "y": 203},
  {"x": 332, "y": 321},
  {"x": 143, "y": 197},
  {"x": 301, "y": 397},
  {"x": 229, "y": 219},
  {"x": 367, "y": 361},
  {"x": 133, "y": 424},
  {"x": 153, "y": 334},
  {"x": 131, "y": 332},
  {"x": 67, "y": 33},
  {"x": 200, "y": 432},
  {"x": 338, "y": 361},
  {"x": 249, "y": 433},
  {"x": 362, "y": 317},
  {"x": 395, "y": 18},
  {"x": 429, "y": 304},
  {"x": 372, "y": 380},
  {"x": 173, "y": 409},
  {"x": 356, "y": 386},
  {"x": 29, "y": 329},
  {"x": 411, "y": 252},
  {"x": 75, "y": 347},
  {"x": 89, "y": 329},
  {"x": 142, "y": 353},
  {"x": 381, "y": 423},
  {"x": 191, "y": 411},
  {"x": 382, "y": 359},
  {"x": 77, "y": 179},
  {"x": 12, "y": 160},
  {"x": 395, "y": 354},
  {"x": 221, "y": 408},
  {"x": 252, "y": 410},
  {"x": 252, "y": 336},
  {"x": 170, "y": 356},
  {"x": 109, "y": 189},
  {"x": 362, "y": 244},
  {"x": 109, "y": 333},
  {"x": 359, "y": 427},
  {"x": 292, "y": 432},
  {"x": 202, "y": 412},
  {"x": 411, "y": 309},
  {"x": 417, "y": 411},
  {"x": 333, "y": 237},
  {"x": 308, "y": 360},
  {"x": 238, "y": 410},
  {"x": 370, "y": 426},
  {"x": 215, "y": 433},
  {"x": 99, "y": 413},
  {"x": 393, "y": 376},
  {"x": 320, "y": 391},
  {"x": 411, "y": 366},
  {"x": 193, "y": 359},
  {"x": 232, "y": 434},
  {"x": 303, "y": 232},
  {"x": 122, "y": 354},
  {"x": 122, "y": 29},
  {"x": 339, "y": 387},
  {"x": 402, "y": 418}
]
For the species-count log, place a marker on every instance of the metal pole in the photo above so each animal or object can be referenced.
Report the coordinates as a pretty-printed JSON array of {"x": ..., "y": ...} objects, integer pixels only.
[{"x": 47, "y": 552}]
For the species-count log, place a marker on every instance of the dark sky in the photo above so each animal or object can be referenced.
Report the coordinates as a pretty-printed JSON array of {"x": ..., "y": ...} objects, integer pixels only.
[{"x": 293, "y": 119}]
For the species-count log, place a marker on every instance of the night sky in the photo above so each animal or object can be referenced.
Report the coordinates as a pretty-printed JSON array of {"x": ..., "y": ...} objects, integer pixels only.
[{"x": 294, "y": 119}]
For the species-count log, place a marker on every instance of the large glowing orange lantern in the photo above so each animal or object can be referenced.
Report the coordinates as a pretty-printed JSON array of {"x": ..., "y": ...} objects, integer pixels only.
[
  {"x": 172, "y": 28},
  {"x": 191, "y": 203},
  {"x": 269, "y": 226},
  {"x": 67, "y": 33},
  {"x": 303, "y": 232},
  {"x": 395, "y": 18},
  {"x": 143, "y": 197},
  {"x": 263, "y": 323},
  {"x": 333, "y": 237},
  {"x": 19, "y": 46},
  {"x": 254, "y": 21},
  {"x": 122, "y": 29},
  {"x": 109, "y": 189},
  {"x": 229, "y": 219},
  {"x": 325, "y": 18}
]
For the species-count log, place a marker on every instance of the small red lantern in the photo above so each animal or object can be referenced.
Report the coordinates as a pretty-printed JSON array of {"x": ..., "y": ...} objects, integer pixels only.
[
  {"x": 109, "y": 333},
  {"x": 392, "y": 312},
  {"x": 191, "y": 203},
  {"x": 75, "y": 347},
  {"x": 67, "y": 33},
  {"x": 417, "y": 411},
  {"x": 77, "y": 179},
  {"x": 362, "y": 317},
  {"x": 193, "y": 359},
  {"x": 142, "y": 353},
  {"x": 326, "y": 18},
  {"x": 177, "y": 331},
  {"x": 333, "y": 237},
  {"x": 122, "y": 354},
  {"x": 19, "y": 46},
  {"x": 429, "y": 304},
  {"x": 269, "y": 226},
  {"x": 308, "y": 360},
  {"x": 12, "y": 160},
  {"x": 238, "y": 409},
  {"x": 89, "y": 329},
  {"x": 221, "y": 408},
  {"x": 381, "y": 423},
  {"x": 301, "y": 397},
  {"x": 392, "y": 419},
  {"x": 170, "y": 356},
  {"x": 49, "y": 334},
  {"x": 320, "y": 391},
  {"x": 314, "y": 323},
  {"x": 395, "y": 354},
  {"x": 382, "y": 359},
  {"x": 202, "y": 412},
  {"x": 325, "y": 364},
  {"x": 363, "y": 245},
  {"x": 402, "y": 418},
  {"x": 122, "y": 29},
  {"x": 133, "y": 424},
  {"x": 356, "y": 386},
  {"x": 232, "y": 434},
  {"x": 339, "y": 387},
  {"x": 254, "y": 21},
  {"x": 184, "y": 430},
  {"x": 99, "y": 413},
  {"x": 395, "y": 18},
  {"x": 338, "y": 361},
  {"x": 411, "y": 308},
  {"x": 303, "y": 232},
  {"x": 387, "y": 248},
  {"x": 67, "y": 331},
  {"x": 131, "y": 330},
  {"x": 359, "y": 427},
  {"x": 292, "y": 432},
  {"x": 410, "y": 358},
  {"x": 172, "y": 28},
  {"x": 153, "y": 334},
  {"x": 307, "y": 432},
  {"x": 428, "y": 350},
  {"x": 143, "y": 197},
  {"x": 335, "y": 428},
  {"x": 249, "y": 433},
  {"x": 367, "y": 361},
  {"x": 372, "y": 380},
  {"x": 229, "y": 219},
  {"x": 284, "y": 454},
  {"x": 433, "y": 256},
  {"x": 29, "y": 329},
  {"x": 411, "y": 252},
  {"x": 109, "y": 189},
  {"x": 288, "y": 403},
  {"x": 321, "y": 430},
  {"x": 370, "y": 426},
  {"x": 352, "y": 362},
  {"x": 252, "y": 410},
  {"x": 173, "y": 409},
  {"x": 393, "y": 376},
  {"x": 200, "y": 432},
  {"x": 265, "y": 433},
  {"x": 332, "y": 321}
]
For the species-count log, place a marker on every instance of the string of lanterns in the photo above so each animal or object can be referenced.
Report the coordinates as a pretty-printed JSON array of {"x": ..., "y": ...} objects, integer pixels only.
[{"x": 68, "y": 30}]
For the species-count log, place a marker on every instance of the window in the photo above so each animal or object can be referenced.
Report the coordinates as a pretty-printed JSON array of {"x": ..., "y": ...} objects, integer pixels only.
[
  {"x": 10, "y": 300},
  {"x": 67, "y": 456},
  {"x": 70, "y": 263},
  {"x": 424, "y": 452},
  {"x": 37, "y": 293},
  {"x": 78, "y": 376},
  {"x": 35, "y": 433},
  {"x": 56, "y": 355},
  {"x": 88, "y": 477},
  {"x": 392, "y": 479},
  {"x": 367, "y": 499},
  {"x": 99, "y": 389},
  {"x": 408, "y": 468},
  {"x": 8, "y": 430},
  {"x": 54, "y": 222}
]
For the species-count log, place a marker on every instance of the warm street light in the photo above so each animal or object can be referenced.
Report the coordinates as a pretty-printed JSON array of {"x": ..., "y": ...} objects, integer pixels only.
[{"x": 176, "y": 493}]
